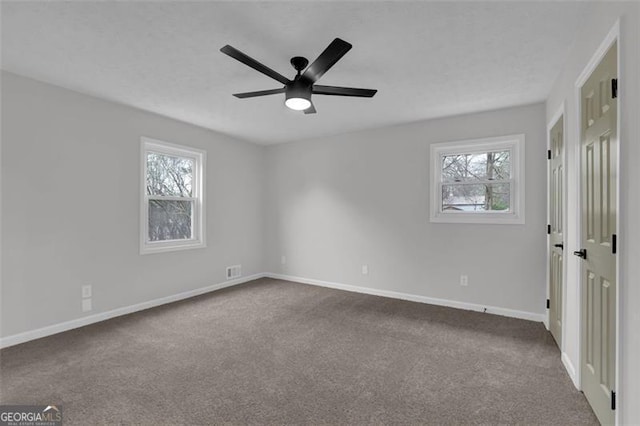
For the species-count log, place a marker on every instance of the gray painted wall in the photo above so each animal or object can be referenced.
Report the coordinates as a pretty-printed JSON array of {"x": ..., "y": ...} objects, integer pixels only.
[
  {"x": 70, "y": 199},
  {"x": 70, "y": 206},
  {"x": 333, "y": 204},
  {"x": 598, "y": 20}
]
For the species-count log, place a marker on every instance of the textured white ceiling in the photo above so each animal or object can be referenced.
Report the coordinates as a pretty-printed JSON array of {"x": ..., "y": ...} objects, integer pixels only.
[{"x": 426, "y": 59}]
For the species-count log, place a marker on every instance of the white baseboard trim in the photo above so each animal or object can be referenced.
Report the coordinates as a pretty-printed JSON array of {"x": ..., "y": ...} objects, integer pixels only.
[
  {"x": 80, "y": 322},
  {"x": 571, "y": 370},
  {"x": 414, "y": 298},
  {"x": 91, "y": 319}
]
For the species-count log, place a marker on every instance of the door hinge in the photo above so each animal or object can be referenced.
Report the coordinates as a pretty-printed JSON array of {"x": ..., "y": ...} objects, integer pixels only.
[
  {"x": 548, "y": 154},
  {"x": 548, "y": 229},
  {"x": 614, "y": 244},
  {"x": 614, "y": 88},
  {"x": 613, "y": 400},
  {"x": 548, "y": 303}
]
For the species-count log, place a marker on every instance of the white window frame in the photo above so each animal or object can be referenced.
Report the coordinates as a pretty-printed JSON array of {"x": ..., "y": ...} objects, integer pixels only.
[
  {"x": 198, "y": 215},
  {"x": 512, "y": 143}
]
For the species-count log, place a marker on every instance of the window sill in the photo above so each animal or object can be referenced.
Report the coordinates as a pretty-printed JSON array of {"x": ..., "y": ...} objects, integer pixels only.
[
  {"x": 486, "y": 218},
  {"x": 164, "y": 247}
]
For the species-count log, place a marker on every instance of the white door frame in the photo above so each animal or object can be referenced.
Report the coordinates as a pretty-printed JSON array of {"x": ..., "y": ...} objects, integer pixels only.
[
  {"x": 561, "y": 112},
  {"x": 612, "y": 37}
]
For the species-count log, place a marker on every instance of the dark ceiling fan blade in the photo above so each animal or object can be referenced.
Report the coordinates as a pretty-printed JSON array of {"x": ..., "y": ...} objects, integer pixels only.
[
  {"x": 249, "y": 61},
  {"x": 310, "y": 110},
  {"x": 326, "y": 60},
  {"x": 259, "y": 93},
  {"x": 343, "y": 91}
]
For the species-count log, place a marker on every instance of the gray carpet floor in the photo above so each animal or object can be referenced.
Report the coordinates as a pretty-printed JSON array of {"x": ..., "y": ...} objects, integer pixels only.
[{"x": 276, "y": 352}]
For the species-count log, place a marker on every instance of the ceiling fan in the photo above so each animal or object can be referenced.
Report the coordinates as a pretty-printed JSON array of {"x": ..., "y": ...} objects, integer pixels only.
[{"x": 299, "y": 90}]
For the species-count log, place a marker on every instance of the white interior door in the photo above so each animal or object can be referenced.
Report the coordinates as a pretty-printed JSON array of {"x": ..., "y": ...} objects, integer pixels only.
[
  {"x": 598, "y": 146},
  {"x": 556, "y": 228}
]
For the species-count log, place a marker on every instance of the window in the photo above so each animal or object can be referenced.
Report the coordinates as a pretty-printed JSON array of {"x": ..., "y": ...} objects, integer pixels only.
[
  {"x": 172, "y": 210},
  {"x": 478, "y": 181}
]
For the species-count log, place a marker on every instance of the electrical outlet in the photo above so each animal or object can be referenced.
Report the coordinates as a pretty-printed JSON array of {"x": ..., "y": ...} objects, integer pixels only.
[
  {"x": 86, "y": 291},
  {"x": 86, "y": 305},
  {"x": 464, "y": 280},
  {"x": 283, "y": 260},
  {"x": 365, "y": 269}
]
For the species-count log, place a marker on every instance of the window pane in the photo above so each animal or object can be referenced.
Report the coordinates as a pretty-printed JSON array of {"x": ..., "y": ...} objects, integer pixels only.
[
  {"x": 169, "y": 175},
  {"x": 170, "y": 220},
  {"x": 476, "y": 197},
  {"x": 470, "y": 167}
]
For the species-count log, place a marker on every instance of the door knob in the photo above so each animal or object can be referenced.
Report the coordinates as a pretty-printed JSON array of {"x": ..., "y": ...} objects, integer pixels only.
[
  {"x": 560, "y": 246},
  {"x": 581, "y": 253}
]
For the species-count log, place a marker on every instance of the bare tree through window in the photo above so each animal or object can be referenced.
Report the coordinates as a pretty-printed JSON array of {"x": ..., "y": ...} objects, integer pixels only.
[
  {"x": 476, "y": 182},
  {"x": 170, "y": 191}
]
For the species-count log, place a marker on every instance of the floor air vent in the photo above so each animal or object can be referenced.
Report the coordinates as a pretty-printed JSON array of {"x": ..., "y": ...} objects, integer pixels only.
[{"x": 234, "y": 271}]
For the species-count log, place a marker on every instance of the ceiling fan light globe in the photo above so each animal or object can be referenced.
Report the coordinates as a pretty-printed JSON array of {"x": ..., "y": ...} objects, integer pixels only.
[{"x": 297, "y": 104}]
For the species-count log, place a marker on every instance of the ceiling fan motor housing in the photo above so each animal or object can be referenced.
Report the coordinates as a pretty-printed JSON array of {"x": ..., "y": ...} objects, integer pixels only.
[{"x": 298, "y": 88}]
